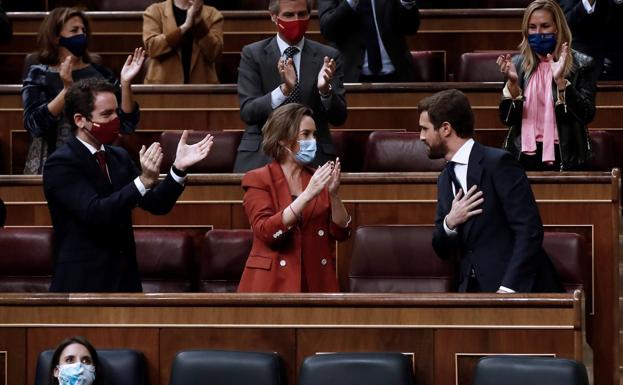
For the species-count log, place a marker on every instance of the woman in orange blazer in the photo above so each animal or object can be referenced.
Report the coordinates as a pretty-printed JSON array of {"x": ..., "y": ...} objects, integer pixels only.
[
  {"x": 183, "y": 38},
  {"x": 295, "y": 212}
]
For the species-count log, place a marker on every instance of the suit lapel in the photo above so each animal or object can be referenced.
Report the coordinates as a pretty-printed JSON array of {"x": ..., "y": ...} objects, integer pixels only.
[
  {"x": 282, "y": 190},
  {"x": 271, "y": 59},
  {"x": 169, "y": 23},
  {"x": 311, "y": 63},
  {"x": 474, "y": 176},
  {"x": 89, "y": 166}
]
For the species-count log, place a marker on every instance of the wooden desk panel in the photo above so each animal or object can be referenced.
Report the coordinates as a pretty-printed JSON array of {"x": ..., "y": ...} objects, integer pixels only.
[{"x": 432, "y": 328}]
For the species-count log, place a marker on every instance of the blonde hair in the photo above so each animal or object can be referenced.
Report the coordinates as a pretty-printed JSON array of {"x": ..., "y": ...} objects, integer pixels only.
[
  {"x": 563, "y": 35},
  {"x": 283, "y": 126}
]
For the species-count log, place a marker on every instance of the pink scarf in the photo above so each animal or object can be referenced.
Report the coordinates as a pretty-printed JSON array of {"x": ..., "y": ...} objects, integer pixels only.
[{"x": 539, "y": 116}]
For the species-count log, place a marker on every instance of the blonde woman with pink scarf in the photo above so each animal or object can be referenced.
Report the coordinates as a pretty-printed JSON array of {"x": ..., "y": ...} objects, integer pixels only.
[{"x": 549, "y": 96}]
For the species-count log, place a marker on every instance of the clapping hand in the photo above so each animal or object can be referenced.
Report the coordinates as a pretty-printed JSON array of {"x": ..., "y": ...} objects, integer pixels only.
[
  {"x": 65, "y": 70},
  {"x": 319, "y": 180},
  {"x": 326, "y": 75},
  {"x": 334, "y": 181},
  {"x": 150, "y": 159},
  {"x": 558, "y": 67},
  {"x": 508, "y": 68},
  {"x": 288, "y": 74},
  {"x": 189, "y": 154},
  {"x": 132, "y": 65}
]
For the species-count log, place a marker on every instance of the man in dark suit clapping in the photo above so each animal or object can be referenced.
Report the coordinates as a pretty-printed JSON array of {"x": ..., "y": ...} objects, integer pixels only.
[
  {"x": 91, "y": 188},
  {"x": 283, "y": 69}
]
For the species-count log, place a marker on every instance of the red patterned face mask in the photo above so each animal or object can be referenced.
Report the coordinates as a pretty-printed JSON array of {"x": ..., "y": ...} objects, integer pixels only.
[
  {"x": 106, "y": 133},
  {"x": 293, "y": 30}
]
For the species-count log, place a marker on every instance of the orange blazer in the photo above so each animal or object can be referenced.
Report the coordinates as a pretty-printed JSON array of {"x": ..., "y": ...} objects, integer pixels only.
[
  {"x": 162, "y": 38},
  {"x": 281, "y": 257}
]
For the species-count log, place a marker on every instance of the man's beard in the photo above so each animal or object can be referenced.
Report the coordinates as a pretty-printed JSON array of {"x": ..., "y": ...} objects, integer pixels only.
[{"x": 438, "y": 151}]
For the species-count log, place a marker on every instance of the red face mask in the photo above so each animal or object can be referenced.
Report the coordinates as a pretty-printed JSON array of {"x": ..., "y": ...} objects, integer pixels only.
[
  {"x": 106, "y": 133},
  {"x": 294, "y": 30}
]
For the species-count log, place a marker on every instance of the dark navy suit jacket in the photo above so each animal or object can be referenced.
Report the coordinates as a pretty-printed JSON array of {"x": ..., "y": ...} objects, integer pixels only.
[
  {"x": 92, "y": 218},
  {"x": 503, "y": 245}
]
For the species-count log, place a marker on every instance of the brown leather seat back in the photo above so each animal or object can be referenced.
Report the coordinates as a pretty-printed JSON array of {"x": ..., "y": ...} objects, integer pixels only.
[
  {"x": 572, "y": 261},
  {"x": 165, "y": 260},
  {"x": 429, "y": 66},
  {"x": 481, "y": 67},
  {"x": 222, "y": 259},
  {"x": 350, "y": 147},
  {"x": 604, "y": 157},
  {"x": 220, "y": 159},
  {"x": 390, "y": 151},
  {"x": 397, "y": 259},
  {"x": 26, "y": 259}
]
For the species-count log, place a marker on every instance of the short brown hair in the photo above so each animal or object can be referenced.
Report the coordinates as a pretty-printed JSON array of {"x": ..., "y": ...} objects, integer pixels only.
[
  {"x": 50, "y": 29},
  {"x": 450, "y": 106},
  {"x": 273, "y": 6},
  {"x": 80, "y": 98},
  {"x": 283, "y": 125}
]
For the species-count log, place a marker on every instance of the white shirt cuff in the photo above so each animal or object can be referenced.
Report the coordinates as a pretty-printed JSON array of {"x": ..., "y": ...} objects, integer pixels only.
[
  {"x": 411, "y": 4},
  {"x": 353, "y": 3},
  {"x": 177, "y": 178},
  {"x": 588, "y": 7},
  {"x": 140, "y": 186},
  {"x": 277, "y": 97},
  {"x": 449, "y": 232},
  {"x": 506, "y": 289}
]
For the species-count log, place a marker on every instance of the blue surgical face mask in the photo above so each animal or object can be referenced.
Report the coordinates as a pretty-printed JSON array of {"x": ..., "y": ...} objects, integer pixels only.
[
  {"x": 76, "y": 44},
  {"x": 306, "y": 152},
  {"x": 542, "y": 43},
  {"x": 76, "y": 374}
]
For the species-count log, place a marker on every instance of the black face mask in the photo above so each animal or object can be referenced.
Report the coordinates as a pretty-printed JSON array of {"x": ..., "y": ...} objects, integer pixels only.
[{"x": 76, "y": 44}]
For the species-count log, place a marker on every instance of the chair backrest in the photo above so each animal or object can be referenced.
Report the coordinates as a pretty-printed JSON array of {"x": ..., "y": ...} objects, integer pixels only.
[
  {"x": 220, "y": 159},
  {"x": 356, "y": 369},
  {"x": 480, "y": 67},
  {"x": 514, "y": 370},
  {"x": 166, "y": 260},
  {"x": 350, "y": 147},
  {"x": 391, "y": 151},
  {"x": 27, "y": 258},
  {"x": 119, "y": 366},
  {"x": 397, "y": 259},
  {"x": 572, "y": 261},
  {"x": 220, "y": 367},
  {"x": 429, "y": 66},
  {"x": 222, "y": 259},
  {"x": 604, "y": 151}
]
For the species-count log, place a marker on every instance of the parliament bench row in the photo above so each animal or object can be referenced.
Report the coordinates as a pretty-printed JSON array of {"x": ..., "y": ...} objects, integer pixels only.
[
  {"x": 359, "y": 151},
  {"x": 140, "y": 5},
  {"x": 385, "y": 258},
  {"x": 429, "y": 66}
]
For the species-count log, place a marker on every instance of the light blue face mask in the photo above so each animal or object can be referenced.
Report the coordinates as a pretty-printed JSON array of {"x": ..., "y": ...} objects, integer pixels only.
[
  {"x": 76, "y": 374},
  {"x": 306, "y": 152}
]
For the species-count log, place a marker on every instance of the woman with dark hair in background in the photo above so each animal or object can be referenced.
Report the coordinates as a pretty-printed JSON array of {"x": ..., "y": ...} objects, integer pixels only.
[
  {"x": 75, "y": 362},
  {"x": 63, "y": 39},
  {"x": 549, "y": 97}
]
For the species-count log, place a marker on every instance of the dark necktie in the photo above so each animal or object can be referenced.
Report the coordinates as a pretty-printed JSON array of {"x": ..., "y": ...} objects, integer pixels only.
[
  {"x": 295, "y": 94},
  {"x": 369, "y": 33},
  {"x": 101, "y": 160},
  {"x": 453, "y": 178}
]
